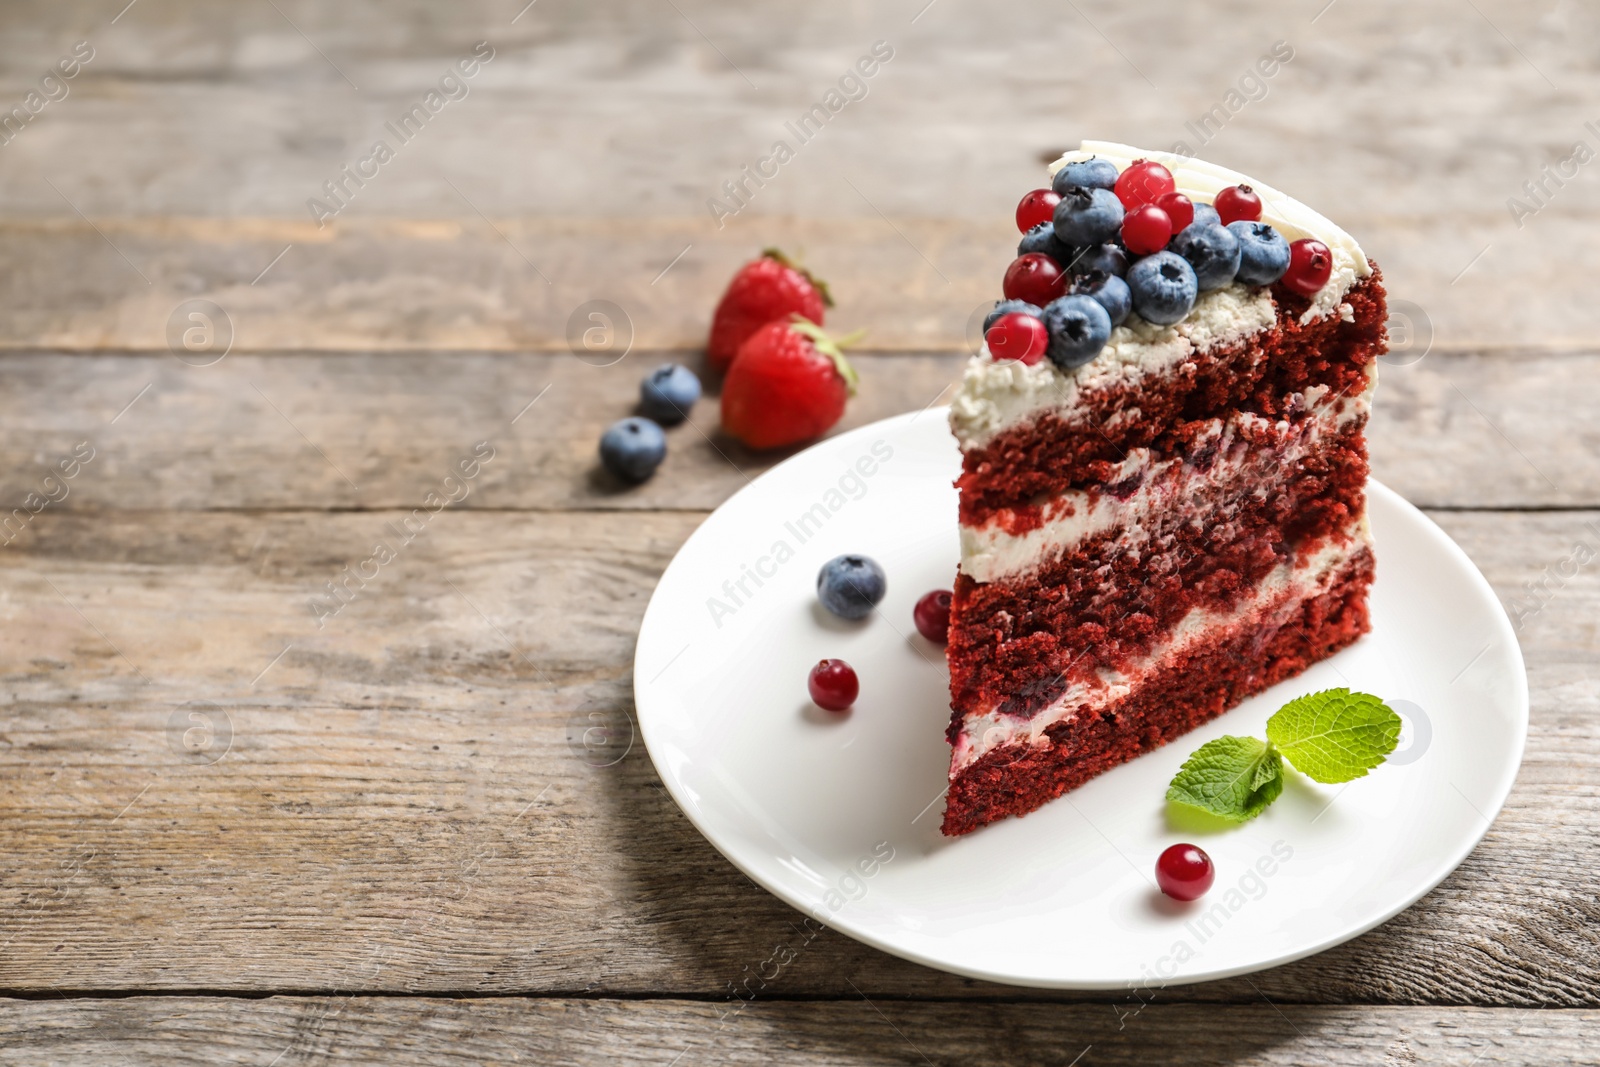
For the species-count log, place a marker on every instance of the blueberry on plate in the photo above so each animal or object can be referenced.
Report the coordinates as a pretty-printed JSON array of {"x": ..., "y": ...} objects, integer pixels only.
[
  {"x": 1091, "y": 173},
  {"x": 1088, "y": 216},
  {"x": 668, "y": 392},
  {"x": 1163, "y": 288},
  {"x": 1212, "y": 251},
  {"x": 1108, "y": 290},
  {"x": 632, "y": 449},
  {"x": 1079, "y": 328},
  {"x": 1042, "y": 238},
  {"x": 1263, "y": 253},
  {"x": 1006, "y": 307},
  {"x": 850, "y": 586}
]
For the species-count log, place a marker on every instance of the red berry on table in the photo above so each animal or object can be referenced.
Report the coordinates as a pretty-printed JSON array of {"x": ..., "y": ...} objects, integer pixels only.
[
  {"x": 1146, "y": 230},
  {"x": 1238, "y": 202},
  {"x": 1310, "y": 266},
  {"x": 1036, "y": 207},
  {"x": 1144, "y": 182},
  {"x": 1184, "y": 872},
  {"x": 1034, "y": 277},
  {"x": 765, "y": 290},
  {"x": 1018, "y": 336},
  {"x": 833, "y": 685},
  {"x": 788, "y": 384},
  {"x": 1179, "y": 208},
  {"x": 932, "y": 615}
]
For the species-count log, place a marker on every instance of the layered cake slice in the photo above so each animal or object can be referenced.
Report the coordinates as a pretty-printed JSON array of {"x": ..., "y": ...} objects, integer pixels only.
[{"x": 1163, "y": 504}]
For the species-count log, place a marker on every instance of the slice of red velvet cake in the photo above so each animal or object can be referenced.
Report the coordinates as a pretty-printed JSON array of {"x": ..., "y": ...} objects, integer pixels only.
[{"x": 1158, "y": 523}]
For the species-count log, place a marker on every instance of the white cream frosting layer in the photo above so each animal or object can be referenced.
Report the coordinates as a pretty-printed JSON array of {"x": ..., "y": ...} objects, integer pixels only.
[
  {"x": 1286, "y": 588},
  {"x": 989, "y": 553},
  {"x": 994, "y": 396}
]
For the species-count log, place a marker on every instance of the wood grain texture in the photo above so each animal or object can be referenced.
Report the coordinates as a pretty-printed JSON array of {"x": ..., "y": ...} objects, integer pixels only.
[
  {"x": 401, "y": 806},
  {"x": 192, "y": 1030}
]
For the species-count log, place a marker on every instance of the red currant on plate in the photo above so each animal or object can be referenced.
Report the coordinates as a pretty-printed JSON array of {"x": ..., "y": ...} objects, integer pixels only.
[
  {"x": 1310, "y": 266},
  {"x": 1036, "y": 207},
  {"x": 1033, "y": 277},
  {"x": 1238, "y": 202},
  {"x": 1018, "y": 336},
  {"x": 932, "y": 615},
  {"x": 1184, "y": 872},
  {"x": 1144, "y": 182},
  {"x": 833, "y": 685},
  {"x": 1147, "y": 229},
  {"x": 1179, "y": 208}
]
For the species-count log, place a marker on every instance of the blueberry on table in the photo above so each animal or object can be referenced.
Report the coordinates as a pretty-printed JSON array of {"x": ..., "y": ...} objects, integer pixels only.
[
  {"x": 850, "y": 586},
  {"x": 1163, "y": 288},
  {"x": 632, "y": 449},
  {"x": 668, "y": 392},
  {"x": 1263, "y": 253}
]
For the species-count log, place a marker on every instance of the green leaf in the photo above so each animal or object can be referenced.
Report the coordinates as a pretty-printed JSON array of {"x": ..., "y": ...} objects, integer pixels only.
[
  {"x": 1233, "y": 778},
  {"x": 1336, "y": 735}
]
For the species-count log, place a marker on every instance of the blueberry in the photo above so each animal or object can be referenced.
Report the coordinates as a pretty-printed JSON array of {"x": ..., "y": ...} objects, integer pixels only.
[
  {"x": 1108, "y": 290},
  {"x": 632, "y": 449},
  {"x": 1263, "y": 253},
  {"x": 1042, "y": 238},
  {"x": 1212, "y": 251},
  {"x": 1205, "y": 213},
  {"x": 1110, "y": 257},
  {"x": 1163, "y": 287},
  {"x": 1088, "y": 216},
  {"x": 851, "y": 586},
  {"x": 1091, "y": 173},
  {"x": 668, "y": 393},
  {"x": 1079, "y": 327},
  {"x": 1006, "y": 307}
]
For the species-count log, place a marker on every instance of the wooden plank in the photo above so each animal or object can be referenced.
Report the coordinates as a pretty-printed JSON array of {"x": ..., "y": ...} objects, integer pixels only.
[
  {"x": 414, "y": 1030},
  {"x": 317, "y": 431},
  {"x": 401, "y": 789}
]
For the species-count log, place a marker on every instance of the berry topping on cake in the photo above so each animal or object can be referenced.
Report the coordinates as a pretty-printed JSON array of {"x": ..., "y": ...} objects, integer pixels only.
[
  {"x": 632, "y": 449},
  {"x": 1006, "y": 307},
  {"x": 1204, "y": 213},
  {"x": 850, "y": 586},
  {"x": 765, "y": 290},
  {"x": 1263, "y": 253},
  {"x": 1310, "y": 266},
  {"x": 788, "y": 384},
  {"x": 1091, "y": 173},
  {"x": 1110, "y": 257},
  {"x": 668, "y": 392},
  {"x": 1144, "y": 182},
  {"x": 1018, "y": 336},
  {"x": 1184, "y": 872},
  {"x": 833, "y": 685},
  {"x": 1036, "y": 207},
  {"x": 1079, "y": 327},
  {"x": 1087, "y": 216},
  {"x": 1042, "y": 239},
  {"x": 1034, "y": 277},
  {"x": 1212, "y": 251},
  {"x": 1179, "y": 208},
  {"x": 932, "y": 615},
  {"x": 1146, "y": 229},
  {"x": 1108, "y": 290},
  {"x": 1238, "y": 202},
  {"x": 1163, "y": 288}
]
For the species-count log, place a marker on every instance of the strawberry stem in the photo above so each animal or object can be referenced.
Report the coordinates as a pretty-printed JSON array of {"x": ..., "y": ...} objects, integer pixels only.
[
  {"x": 795, "y": 265},
  {"x": 829, "y": 347}
]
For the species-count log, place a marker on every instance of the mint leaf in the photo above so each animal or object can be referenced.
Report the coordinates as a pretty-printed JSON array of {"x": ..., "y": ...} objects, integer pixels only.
[
  {"x": 1233, "y": 778},
  {"x": 1336, "y": 735}
]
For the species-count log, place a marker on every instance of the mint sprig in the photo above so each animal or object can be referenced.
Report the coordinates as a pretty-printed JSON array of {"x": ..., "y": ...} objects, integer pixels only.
[{"x": 1333, "y": 736}]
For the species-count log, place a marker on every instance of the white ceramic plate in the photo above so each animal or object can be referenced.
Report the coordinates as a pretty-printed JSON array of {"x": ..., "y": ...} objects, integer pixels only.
[{"x": 839, "y": 816}]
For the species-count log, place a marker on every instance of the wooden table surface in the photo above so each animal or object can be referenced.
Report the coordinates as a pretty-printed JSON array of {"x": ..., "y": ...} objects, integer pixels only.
[{"x": 236, "y": 830}]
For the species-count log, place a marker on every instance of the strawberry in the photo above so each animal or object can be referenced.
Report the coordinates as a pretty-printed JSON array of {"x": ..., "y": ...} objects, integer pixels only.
[
  {"x": 788, "y": 384},
  {"x": 765, "y": 290}
]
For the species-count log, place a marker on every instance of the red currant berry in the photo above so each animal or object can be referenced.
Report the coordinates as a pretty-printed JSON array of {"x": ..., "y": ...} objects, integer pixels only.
[
  {"x": 1238, "y": 202},
  {"x": 1184, "y": 872},
  {"x": 1146, "y": 230},
  {"x": 1036, "y": 207},
  {"x": 1017, "y": 336},
  {"x": 833, "y": 685},
  {"x": 932, "y": 615},
  {"x": 1310, "y": 266},
  {"x": 1033, "y": 277},
  {"x": 1144, "y": 182},
  {"x": 1179, "y": 208}
]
